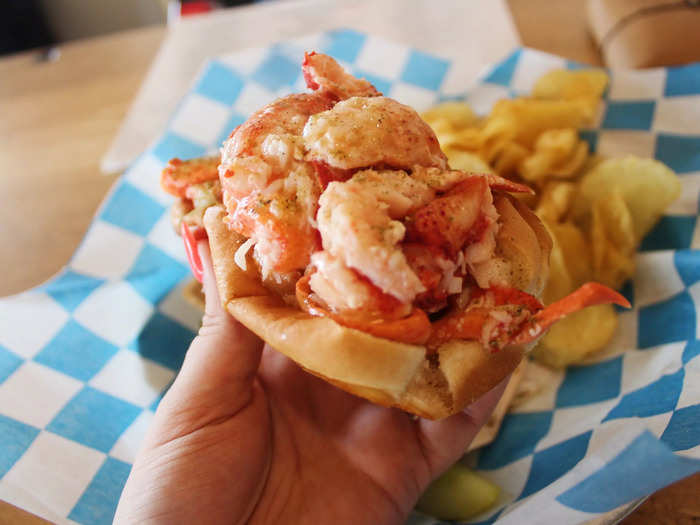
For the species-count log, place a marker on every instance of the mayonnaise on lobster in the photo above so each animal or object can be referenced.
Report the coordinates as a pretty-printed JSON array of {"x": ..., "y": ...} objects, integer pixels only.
[{"x": 344, "y": 239}]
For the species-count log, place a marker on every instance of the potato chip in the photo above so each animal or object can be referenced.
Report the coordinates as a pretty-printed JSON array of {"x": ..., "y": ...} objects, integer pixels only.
[
  {"x": 584, "y": 332},
  {"x": 592, "y": 161},
  {"x": 567, "y": 84},
  {"x": 586, "y": 86},
  {"x": 575, "y": 251},
  {"x": 534, "y": 169},
  {"x": 577, "y": 336},
  {"x": 468, "y": 139},
  {"x": 555, "y": 201},
  {"x": 615, "y": 268},
  {"x": 455, "y": 125},
  {"x": 509, "y": 158},
  {"x": 495, "y": 133},
  {"x": 530, "y": 117},
  {"x": 466, "y": 161},
  {"x": 552, "y": 147},
  {"x": 458, "y": 114},
  {"x": 613, "y": 241},
  {"x": 646, "y": 186},
  {"x": 616, "y": 216},
  {"x": 599, "y": 240},
  {"x": 559, "y": 142},
  {"x": 572, "y": 166},
  {"x": 491, "y": 149},
  {"x": 442, "y": 127},
  {"x": 558, "y": 152},
  {"x": 560, "y": 282}
]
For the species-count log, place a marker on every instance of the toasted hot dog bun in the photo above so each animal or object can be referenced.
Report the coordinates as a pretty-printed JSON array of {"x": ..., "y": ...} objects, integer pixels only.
[{"x": 432, "y": 385}]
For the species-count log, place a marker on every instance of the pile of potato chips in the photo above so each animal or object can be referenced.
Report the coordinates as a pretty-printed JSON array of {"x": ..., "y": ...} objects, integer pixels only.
[{"x": 597, "y": 210}]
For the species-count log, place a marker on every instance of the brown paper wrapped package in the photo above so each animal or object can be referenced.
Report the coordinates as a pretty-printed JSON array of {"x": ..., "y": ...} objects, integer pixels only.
[{"x": 646, "y": 33}]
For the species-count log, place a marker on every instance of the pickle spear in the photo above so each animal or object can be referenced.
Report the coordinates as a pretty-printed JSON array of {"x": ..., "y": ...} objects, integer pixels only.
[{"x": 459, "y": 494}]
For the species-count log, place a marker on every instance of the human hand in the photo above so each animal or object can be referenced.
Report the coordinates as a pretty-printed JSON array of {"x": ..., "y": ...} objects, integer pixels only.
[{"x": 246, "y": 436}]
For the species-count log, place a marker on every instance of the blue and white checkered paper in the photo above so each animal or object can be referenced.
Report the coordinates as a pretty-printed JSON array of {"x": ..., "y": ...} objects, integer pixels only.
[{"x": 85, "y": 358}]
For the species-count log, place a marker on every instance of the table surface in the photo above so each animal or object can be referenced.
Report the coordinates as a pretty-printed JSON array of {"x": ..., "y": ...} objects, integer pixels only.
[{"x": 59, "y": 117}]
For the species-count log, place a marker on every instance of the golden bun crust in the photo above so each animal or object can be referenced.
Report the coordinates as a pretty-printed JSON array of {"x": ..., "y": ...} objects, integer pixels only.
[
  {"x": 489, "y": 431},
  {"x": 524, "y": 241},
  {"x": 386, "y": 372}
]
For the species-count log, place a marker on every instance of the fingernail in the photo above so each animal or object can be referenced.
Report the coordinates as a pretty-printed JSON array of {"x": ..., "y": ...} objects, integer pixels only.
[{"x": 192, "y": 253}]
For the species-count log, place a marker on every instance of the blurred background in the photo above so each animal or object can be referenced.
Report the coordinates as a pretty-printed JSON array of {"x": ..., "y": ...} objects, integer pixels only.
[
  {"x": 27, "y": 24},
  {"x": 626, "y": 33}
]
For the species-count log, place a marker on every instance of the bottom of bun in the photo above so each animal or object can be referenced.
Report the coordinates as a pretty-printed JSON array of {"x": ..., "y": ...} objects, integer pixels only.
[{"x": 431, "y": 385}]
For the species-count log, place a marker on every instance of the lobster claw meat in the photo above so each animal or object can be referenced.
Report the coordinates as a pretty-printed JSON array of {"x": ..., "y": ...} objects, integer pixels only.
[
  {"x": 306, "y": 71},
  {"x": 590, "y": 294},
  {"x": 497, "y": 182}
]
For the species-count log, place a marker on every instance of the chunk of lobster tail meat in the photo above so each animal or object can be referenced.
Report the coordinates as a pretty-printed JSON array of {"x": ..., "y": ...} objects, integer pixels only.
[
  {"x": 196, "y": 184},
  {"x": 279, "y": 220},
  {"x": 268, "y": 145},
  {"x": 270, "y": 191},
  {"x": 178, "y": 175},
  {"x": 358, "y": 223},
  {"x": 348, "y": 292},
  {"x": 323, "y": 74},
  {"x": 363, "y": 132},
  {"x": 386, "y": 317},
  {"x": 453, "y": 220}
]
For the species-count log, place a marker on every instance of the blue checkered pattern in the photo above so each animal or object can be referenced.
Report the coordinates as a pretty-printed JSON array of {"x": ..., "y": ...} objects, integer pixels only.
[{"x": 85, "y": 358}]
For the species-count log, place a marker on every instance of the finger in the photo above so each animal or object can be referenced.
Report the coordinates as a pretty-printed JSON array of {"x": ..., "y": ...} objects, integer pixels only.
[
  {"x": 445, "y": 441},
  {"x": 225, "y": 354},
  {"x": 212, "y": 301},
  {"x": 222, "y": 361}
]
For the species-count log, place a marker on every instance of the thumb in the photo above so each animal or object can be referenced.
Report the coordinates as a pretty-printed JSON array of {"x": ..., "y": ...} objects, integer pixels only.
[
  {"x": 225, "y": 354},
  {"x": 220, "y": 331},
  {"x": 220, "y": 366}
]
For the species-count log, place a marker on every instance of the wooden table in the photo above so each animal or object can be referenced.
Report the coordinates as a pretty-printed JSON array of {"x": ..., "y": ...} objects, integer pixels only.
[
  {"x": 59, "y": 117},
  {"x": 57, "y": 120}
]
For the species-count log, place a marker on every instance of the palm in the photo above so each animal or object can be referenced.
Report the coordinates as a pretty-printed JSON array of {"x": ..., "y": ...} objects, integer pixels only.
[{"x": 365, "y": 463}]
